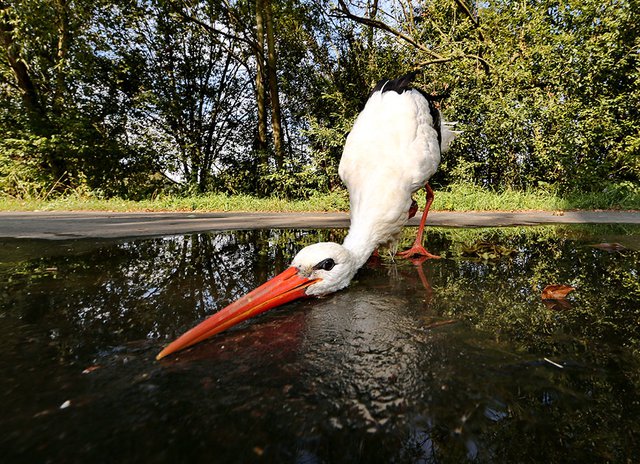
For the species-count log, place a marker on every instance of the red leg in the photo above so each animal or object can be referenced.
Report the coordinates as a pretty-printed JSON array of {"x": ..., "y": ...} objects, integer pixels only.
[
  {"x": 425, "y": 282},
  {"x": 417, "y": 248}
]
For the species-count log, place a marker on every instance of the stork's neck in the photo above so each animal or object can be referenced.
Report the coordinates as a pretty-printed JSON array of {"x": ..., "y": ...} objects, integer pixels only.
[{"x": 361, "y": 243}]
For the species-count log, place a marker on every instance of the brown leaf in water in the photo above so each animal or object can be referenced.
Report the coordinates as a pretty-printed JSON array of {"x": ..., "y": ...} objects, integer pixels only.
[
  {"x": 90, "y": 369},
  {"x": 610, "y": 247},
  {"x": 557, "y": 305},
  {"x": 556, "y": 292}
]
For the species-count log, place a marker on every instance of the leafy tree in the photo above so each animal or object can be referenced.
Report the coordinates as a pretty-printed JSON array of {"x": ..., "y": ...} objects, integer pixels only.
[
  {"x": 192, "y": 99},
  {"x": 557, "y": 107},
  {"x": 130, "y": 98},
  {"x": 64, "y": 126},
  {"x": 544, "y": 92}
]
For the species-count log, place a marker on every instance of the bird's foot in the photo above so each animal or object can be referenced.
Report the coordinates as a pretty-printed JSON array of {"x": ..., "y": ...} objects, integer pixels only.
[
  {"x": 417, "y": 260},
  {"x": 417, "y": 250}
]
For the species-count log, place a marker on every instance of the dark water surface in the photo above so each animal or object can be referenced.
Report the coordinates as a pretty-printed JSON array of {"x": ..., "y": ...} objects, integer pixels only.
[{"x": 454, "y": 360}]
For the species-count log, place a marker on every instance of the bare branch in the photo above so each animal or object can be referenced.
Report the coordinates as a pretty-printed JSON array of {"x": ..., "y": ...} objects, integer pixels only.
[
  {"x": 211, "y": 29},
  {"x": 384, "y": 27},
  {"x": 436, "y": 58}
]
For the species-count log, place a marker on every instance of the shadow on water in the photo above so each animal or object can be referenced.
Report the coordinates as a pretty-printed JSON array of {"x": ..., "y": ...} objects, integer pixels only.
[{"x": 456, "y": 360}]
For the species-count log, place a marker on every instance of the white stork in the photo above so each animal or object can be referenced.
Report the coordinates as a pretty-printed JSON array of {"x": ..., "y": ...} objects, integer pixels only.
[{"x": 391, "y": 152}]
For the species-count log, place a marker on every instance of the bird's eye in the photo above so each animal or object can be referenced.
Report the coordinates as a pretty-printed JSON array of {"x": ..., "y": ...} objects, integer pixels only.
[{"x": 325, "y": 264}]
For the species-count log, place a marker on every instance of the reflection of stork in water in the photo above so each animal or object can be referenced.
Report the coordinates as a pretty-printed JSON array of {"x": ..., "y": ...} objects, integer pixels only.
[{"x": 391, "y": 152}]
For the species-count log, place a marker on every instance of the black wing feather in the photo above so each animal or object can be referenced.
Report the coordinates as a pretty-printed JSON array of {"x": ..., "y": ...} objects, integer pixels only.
[{"x": 399, "y": 85}]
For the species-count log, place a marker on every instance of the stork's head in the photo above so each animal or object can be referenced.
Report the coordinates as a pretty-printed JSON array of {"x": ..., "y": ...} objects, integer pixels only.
[
  {"x": 329, "y": 265},
  {"x": 316, "y": 270}
]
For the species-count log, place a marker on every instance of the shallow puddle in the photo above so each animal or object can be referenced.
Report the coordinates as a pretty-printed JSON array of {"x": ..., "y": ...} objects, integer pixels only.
[{"x": 453, "y": 360}]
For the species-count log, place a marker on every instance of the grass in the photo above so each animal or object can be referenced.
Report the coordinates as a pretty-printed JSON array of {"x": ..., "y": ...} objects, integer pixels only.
[
  {"x": 464, "y": 197},
  {"x": 209, "y": 202},
  {"x": 453, "y": 198}
]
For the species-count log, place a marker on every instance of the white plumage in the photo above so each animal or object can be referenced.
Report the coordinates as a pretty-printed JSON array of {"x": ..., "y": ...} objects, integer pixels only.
[{"x": 392, "y": 151}]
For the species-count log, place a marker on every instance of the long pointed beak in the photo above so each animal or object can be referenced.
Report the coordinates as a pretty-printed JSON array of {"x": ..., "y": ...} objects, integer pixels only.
[{"x": 283, "y": 288}]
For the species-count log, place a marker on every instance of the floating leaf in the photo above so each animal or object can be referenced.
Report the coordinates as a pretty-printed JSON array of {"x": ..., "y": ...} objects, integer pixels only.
[
  {"x": 556, "y": 292},
  {"x": 557, "y": 305},
  {"x": 90, "y": 369},
  {"x": 610, "y": 247}
]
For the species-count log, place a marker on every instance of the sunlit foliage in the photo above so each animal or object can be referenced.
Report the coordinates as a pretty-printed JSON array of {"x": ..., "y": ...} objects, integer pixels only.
[{"x": 136, "y": 98}]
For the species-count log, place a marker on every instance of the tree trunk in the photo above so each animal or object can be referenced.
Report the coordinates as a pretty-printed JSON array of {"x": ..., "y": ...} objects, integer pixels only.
[
  {"x": 261, "y": 95},
  {"x": 28, "y": 89},
  {"x": 61, "y": 55},
  {"x": 276, "y": 115}
]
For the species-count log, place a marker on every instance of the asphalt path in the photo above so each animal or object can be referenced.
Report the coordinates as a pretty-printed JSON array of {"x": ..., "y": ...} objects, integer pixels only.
[{"x": 82, "y": 225}]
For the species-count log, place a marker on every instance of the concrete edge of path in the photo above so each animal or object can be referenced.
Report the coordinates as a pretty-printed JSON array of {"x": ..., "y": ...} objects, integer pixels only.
[{"x": 82, "y": 225}]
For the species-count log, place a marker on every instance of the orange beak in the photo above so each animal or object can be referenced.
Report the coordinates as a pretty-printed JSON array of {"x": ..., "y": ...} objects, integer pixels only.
[{"x": 283, "y": 288}]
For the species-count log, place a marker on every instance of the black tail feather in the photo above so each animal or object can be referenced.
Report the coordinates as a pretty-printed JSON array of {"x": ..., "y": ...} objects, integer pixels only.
[{"x": 399, "y": 85}]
